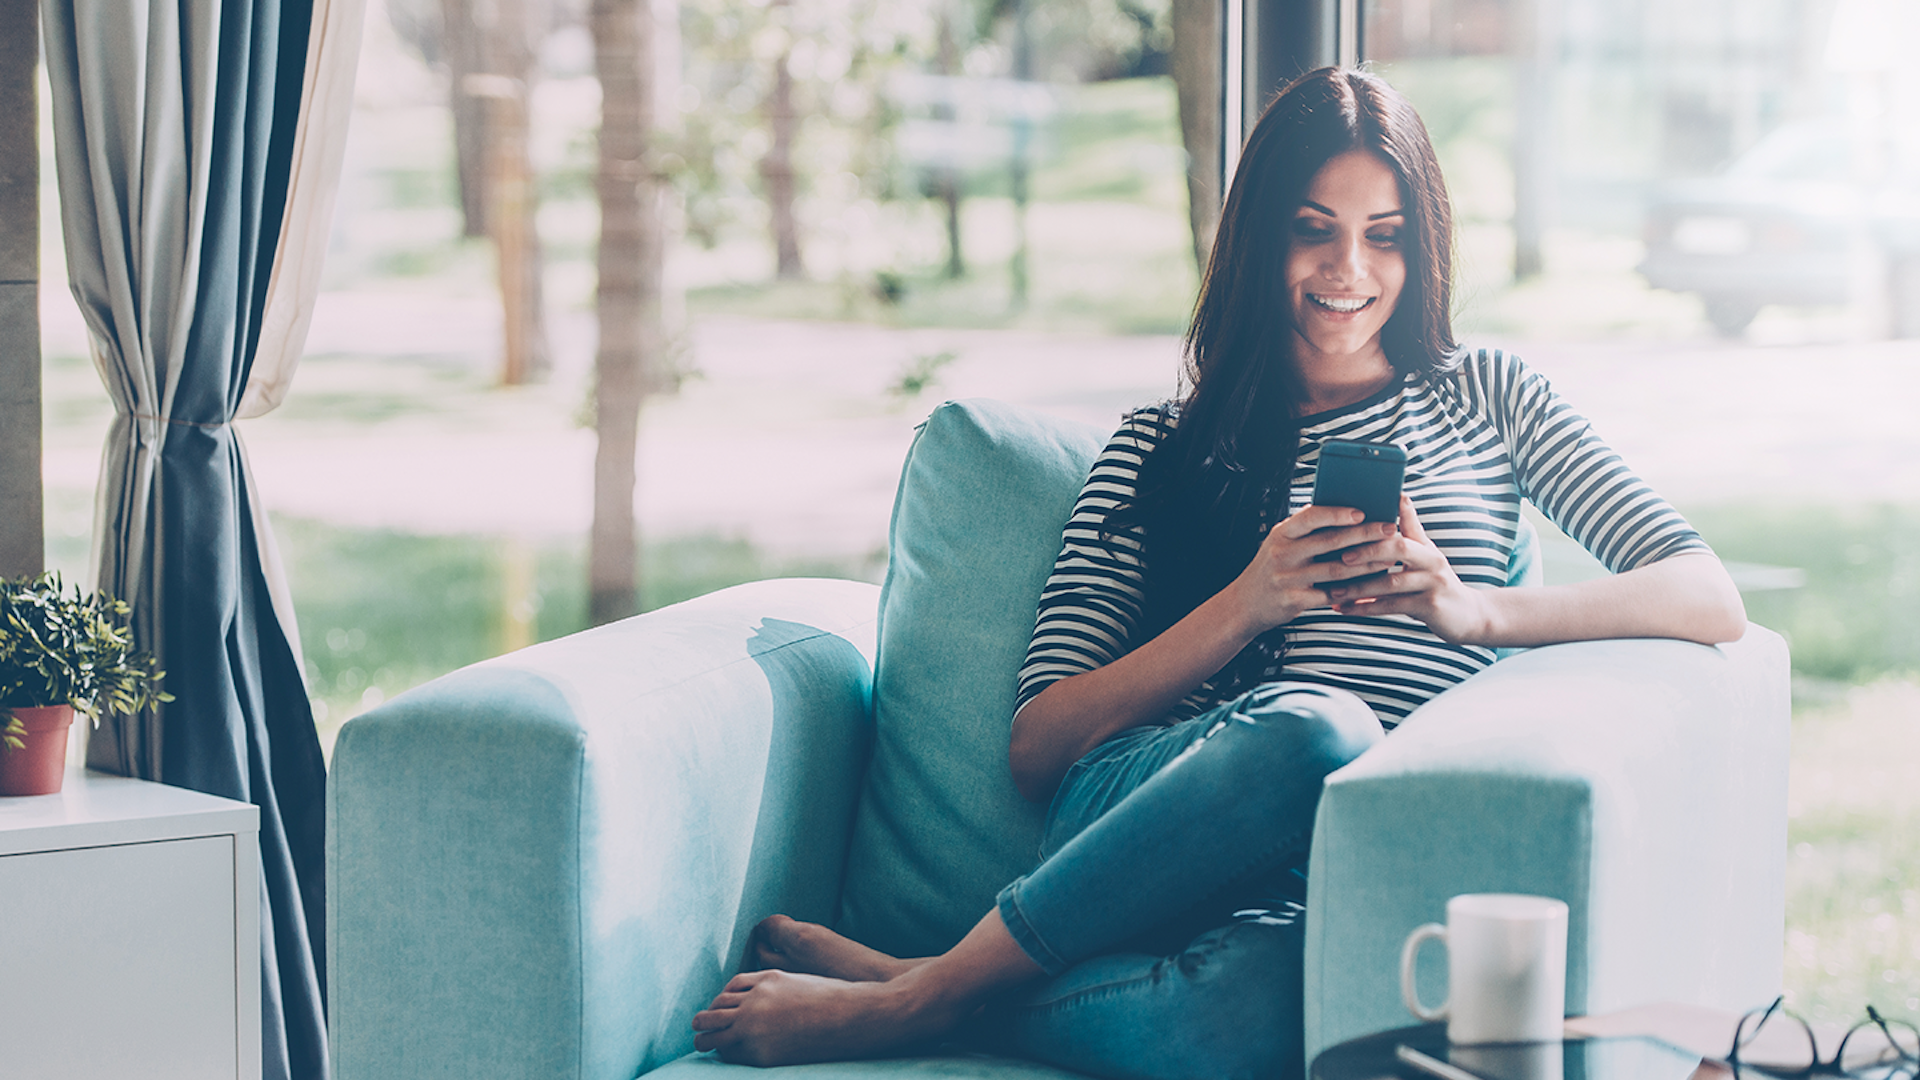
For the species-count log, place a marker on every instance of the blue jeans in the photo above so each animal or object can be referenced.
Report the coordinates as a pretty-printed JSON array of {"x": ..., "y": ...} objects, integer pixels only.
[{"x": 1167, "y": 908}]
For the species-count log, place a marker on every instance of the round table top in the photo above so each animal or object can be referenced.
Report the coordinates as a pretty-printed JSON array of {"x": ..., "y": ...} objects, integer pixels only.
[{"x": 1372, "y": 1057}]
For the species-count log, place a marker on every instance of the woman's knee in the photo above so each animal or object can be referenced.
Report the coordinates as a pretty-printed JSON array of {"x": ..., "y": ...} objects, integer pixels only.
[
  {"x": 1225, "y": 1007},
  {"x": 1302, "y": 726}
]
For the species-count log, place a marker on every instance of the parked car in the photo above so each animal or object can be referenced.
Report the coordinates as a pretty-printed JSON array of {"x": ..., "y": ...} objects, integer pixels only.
[{"x": 1790, "y": 222}]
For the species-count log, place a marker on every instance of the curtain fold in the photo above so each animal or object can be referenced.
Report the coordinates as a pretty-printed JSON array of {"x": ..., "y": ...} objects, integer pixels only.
[
  {"x": 197, "y": 144},
  {"x": 313, "y": 175}
]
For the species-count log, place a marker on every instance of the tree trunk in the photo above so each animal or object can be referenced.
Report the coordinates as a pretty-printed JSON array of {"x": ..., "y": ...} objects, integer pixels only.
[
  {"x": 630, "y": 267},
  {"x": 1533, "y": 38},
  {"x": 513, "y": 198},
  {"x": 776, "y": 168},
  {"x": 465, "y": 47},
  {"x": 1019, "y": 167},
  {"x": 1196, "y": 76},
  {"x": 946, "y": 176}
]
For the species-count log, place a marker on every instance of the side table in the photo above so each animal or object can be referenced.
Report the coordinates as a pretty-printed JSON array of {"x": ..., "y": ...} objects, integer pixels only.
[
  {"x": 1371, "y": 1057},
  {"x": 129, "y": 933}
]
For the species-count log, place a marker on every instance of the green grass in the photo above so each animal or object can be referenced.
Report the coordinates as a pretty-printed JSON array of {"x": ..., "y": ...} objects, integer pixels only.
[
  {"x": 1853, "y": 836},
  {"x": 1857, "y": 618},
  {"x": 381, "y": 612},
  {"x": 1853, "y": 855}
]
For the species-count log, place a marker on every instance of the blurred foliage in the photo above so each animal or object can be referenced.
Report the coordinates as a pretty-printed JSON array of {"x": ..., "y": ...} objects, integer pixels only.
[
  {"x": 920, "y": 374},
  {"x": 839, "y": 52},
  {"x": 1467, "y": 106},
  {"x": 1109, "y": 248},
  {"x": 847, "y": 58}
]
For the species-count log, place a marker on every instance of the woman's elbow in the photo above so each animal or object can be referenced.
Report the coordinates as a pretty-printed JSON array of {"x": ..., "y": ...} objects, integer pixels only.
[
  {"x": 1023, "y": 760},
  {"x": 1719, "y": 614},
  {"x": 1720, "y": 627},
  {"x": 1033, "y": 783}
]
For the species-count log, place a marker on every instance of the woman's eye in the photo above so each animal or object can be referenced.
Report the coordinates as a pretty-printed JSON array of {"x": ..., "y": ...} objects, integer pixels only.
[
  {"x": 1309, "y": 229},
  {"x": 1385, "y": 237}
]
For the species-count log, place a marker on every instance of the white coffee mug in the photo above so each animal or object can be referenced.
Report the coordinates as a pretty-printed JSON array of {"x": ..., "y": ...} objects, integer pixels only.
[{"x": 1506, "y": 968}]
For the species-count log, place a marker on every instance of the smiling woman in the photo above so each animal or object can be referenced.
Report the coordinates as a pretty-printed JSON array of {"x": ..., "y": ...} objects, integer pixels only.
[{"x": 1188, "y": 686}]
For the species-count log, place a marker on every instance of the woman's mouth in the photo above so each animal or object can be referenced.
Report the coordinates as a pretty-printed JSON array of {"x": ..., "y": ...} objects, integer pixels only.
[{"x": 1342, "y": 305}]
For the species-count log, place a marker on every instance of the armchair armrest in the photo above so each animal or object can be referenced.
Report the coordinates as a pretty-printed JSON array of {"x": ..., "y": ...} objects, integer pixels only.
[
  {"x": 542, "y": 865},
  {"x": 1641, "y": 781}
]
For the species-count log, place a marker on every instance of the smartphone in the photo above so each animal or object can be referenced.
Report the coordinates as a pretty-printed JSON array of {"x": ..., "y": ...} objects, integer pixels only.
[{"x": 1363, "y": 475}]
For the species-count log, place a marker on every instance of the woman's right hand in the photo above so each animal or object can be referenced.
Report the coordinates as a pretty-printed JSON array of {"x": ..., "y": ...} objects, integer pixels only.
[
  {"x": 1281, "y": 581},
  {"x": 1079, "y": 712}
]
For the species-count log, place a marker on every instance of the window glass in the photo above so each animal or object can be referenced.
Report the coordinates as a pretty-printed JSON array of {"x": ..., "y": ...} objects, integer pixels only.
[
  {"x": 1698, "y": 220},
  {"x": 870, "y": 207}
]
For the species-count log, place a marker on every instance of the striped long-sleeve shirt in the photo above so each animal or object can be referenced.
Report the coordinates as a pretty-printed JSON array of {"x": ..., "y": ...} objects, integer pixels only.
[{"x": 1479, "y": 438}]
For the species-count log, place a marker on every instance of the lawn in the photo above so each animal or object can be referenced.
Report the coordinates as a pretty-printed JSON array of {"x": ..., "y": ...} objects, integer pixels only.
[
  {"x": 1853, "y": 833},
  {"x": 383, "y": 611}
]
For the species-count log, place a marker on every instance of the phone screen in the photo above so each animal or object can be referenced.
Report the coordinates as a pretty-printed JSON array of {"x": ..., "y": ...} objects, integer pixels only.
[{"x": 1366, "y": 476}]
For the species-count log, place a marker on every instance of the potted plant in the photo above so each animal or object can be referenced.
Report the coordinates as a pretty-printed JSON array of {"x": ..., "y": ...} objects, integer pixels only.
[{"x": 61, "y": 652}]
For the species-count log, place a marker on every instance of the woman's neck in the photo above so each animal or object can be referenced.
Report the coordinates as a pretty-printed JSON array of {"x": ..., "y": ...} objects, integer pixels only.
[{"x": 1334, "y": 382}]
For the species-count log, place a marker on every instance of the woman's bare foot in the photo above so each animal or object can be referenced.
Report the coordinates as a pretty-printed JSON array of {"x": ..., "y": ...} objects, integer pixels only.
[
  {"x": 811, "y": 949},
  {"x": 784, "y": 1018},
  {"x": 788, "y": 1018}
]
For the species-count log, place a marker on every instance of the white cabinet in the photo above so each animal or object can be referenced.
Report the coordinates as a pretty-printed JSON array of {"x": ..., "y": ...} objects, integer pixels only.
[{"x": 129, "y": 933}]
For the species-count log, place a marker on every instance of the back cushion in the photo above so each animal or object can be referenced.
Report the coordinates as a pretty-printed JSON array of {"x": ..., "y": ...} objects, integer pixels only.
[{"x": 985, "y": 493}]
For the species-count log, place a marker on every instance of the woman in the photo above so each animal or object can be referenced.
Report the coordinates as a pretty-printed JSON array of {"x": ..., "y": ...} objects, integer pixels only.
[{"x": 1195, "y": 673}]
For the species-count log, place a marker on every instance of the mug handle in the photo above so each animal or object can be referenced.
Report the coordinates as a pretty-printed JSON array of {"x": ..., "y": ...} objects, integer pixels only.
[{"x": 1408, "y": 954}]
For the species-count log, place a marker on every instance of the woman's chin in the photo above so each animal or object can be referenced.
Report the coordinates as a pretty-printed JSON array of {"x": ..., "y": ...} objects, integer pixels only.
[{"x": 1343, "y": 341}]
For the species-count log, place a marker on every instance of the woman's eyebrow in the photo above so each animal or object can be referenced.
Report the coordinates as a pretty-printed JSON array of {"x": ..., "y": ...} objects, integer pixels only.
[{"x": 1309, "y": 204}]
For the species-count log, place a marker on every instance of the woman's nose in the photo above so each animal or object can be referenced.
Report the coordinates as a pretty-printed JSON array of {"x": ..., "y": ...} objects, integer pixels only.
[{"x": 1346, "y": 261}]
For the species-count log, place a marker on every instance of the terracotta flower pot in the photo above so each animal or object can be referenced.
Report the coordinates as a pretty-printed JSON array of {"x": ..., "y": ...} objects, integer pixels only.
[{"x": 40, "y": 766}]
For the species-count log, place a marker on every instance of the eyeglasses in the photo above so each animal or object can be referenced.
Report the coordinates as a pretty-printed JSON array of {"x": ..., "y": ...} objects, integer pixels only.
[{"x": 1876, "y": 1048}]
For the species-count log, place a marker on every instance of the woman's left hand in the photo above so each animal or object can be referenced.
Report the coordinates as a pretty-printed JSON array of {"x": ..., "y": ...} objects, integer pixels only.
[{"x": 1418, "y": 582}]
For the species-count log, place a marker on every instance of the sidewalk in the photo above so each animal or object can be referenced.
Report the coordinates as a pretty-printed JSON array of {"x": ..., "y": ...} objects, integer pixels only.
[{"x": 789, "y": 437}]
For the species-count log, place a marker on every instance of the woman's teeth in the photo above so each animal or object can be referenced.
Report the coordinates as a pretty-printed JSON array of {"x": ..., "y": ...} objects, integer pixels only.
[{"x": 1343, "y": 306}]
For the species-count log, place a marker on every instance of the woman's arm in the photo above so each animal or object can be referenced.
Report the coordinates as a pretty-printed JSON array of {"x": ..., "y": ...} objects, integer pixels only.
[
  {"x": 1079, "y": 712},
  {"x": 1687, "y": 596}
]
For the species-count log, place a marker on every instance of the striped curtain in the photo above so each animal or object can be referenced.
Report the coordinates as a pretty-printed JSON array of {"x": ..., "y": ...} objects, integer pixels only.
[{"x": 198, "y": 145}]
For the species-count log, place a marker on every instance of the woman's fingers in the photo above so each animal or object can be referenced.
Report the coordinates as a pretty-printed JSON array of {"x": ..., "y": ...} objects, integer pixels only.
[
  {"x": 718, "y": 1014},
  {"x": 1314, "y": 518},
  {"x": 1410, "y": 521},
  {"x": 1408, "y": 585}
]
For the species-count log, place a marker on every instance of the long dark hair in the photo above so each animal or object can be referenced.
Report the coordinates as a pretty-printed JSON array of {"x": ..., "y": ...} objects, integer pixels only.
[{"x": 1204, "y": 491}]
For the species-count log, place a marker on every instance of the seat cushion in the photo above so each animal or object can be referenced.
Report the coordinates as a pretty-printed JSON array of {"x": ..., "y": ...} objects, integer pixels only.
[{"x": 977, "y": 522}]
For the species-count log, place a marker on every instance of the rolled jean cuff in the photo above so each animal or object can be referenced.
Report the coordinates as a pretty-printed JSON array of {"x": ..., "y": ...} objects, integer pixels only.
[{"x": 1023, "y": 933}]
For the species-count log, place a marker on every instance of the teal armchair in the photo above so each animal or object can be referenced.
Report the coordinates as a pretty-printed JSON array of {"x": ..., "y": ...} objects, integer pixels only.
[{"x": 541, "y": 866}]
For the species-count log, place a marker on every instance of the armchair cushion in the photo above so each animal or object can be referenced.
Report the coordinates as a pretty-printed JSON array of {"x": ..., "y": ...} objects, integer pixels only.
[{"x": 976, "y": 527}]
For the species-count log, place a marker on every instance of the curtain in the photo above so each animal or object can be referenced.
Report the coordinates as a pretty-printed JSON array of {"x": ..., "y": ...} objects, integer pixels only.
[{"x": 198, "y": 144}]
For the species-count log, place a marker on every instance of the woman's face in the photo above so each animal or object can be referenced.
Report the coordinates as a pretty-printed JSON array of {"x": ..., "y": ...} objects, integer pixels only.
[{"x": 1345, "y": 261}]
